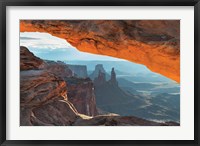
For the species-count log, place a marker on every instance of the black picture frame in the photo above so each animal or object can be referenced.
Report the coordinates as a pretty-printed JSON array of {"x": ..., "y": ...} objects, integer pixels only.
[{"x": 5, "y": 3}]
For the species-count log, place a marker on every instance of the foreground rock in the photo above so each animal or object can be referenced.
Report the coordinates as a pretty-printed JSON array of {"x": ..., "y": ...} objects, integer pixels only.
[
  {"x": 43, "y": 95},
  {"x": 153, "y": 43},
  {"x": 80, "y": 91},
  {"x": 28, "y": 60},
  {"x": 43, "y": 100},
  {"x": 113, "y": 120}
]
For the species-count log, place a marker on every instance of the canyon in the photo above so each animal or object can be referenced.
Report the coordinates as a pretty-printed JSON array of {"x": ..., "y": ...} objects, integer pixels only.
[
  {"x": 50, "y": 95},
  {"x": 153, "y": 43},
  {"x": 126, "y": 98}
]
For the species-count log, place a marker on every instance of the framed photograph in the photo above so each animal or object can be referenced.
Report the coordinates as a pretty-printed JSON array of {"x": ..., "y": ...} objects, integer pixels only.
[{"x": 99, "y": 72}]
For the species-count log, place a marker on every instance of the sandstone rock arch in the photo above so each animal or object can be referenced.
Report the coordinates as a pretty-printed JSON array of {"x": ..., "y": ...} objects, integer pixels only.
[{"x": 153, "y": 43}]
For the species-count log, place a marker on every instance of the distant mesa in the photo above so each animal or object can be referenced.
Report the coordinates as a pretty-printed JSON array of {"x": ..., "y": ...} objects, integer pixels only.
[
  {"x": 101, "y": 79},
  {"x": 95, "y": 73},
  {"x": 79, "y": 71},
  {"x": 100, "y": 67}
]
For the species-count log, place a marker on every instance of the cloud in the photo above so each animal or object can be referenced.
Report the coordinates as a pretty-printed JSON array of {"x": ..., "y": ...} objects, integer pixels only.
[
  {"x": 28, "y": 38},
  {"x": 42, "y": 40},
  {"x": 49, "y": 47}
]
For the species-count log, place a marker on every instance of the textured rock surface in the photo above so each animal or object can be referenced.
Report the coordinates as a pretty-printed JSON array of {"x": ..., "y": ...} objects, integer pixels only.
[
  {"x": 43, "y": 100},
  {"x": 81, "y": 95},
  {"x": 154, "y": 43},
  {"x": 57, "y": 113},
  {"x": 43, "y": 95},
  {"x": 80, "y": 90},
  {"x": 58, "y": 68},
  {"x": 110, "y": 120},
  {"x": 28, "y": 60},
  {"x": 36, "y": 84}
]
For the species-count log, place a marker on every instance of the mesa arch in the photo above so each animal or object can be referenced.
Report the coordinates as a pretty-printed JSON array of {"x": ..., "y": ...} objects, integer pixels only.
[{"x": 153, "y": 43}]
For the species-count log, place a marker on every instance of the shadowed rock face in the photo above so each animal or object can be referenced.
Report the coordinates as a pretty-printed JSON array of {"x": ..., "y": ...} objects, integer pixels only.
[
  {"x": 79, "y": 90},
  {"x": 112, "y": 120},
  {"x": 153, "y": 43},
  {"x": 81, "y": 95}
]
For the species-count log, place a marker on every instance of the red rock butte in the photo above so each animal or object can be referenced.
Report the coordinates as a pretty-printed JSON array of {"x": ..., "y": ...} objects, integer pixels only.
[{"x": 153, "y": 43}]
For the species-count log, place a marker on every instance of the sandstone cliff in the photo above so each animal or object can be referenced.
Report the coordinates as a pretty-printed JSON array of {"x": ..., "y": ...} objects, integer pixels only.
[
  {"x": 44, "y": 84},
  {"x": 58, "y": 68},
  {"x": 29, "y": 61},
  {"x": 154, "y": 43},
  {"x": 81, "y": 95},
  {"x": 80, "y": 90},
  {"x": 43, "y": 95},
  {"x": 43, "y": 100}
]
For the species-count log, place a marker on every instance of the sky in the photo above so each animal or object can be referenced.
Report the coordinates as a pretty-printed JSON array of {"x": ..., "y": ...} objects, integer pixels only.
[{"x": 49, "y": 47}]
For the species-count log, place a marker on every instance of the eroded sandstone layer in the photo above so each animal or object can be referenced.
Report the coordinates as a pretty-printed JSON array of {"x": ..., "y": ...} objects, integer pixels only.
[
  {"x": 29, "y": 61},
  {"x": 153, "y": 43},
  {"x": 44, "y": 91},
  {"x": 43, "y": 100}
]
